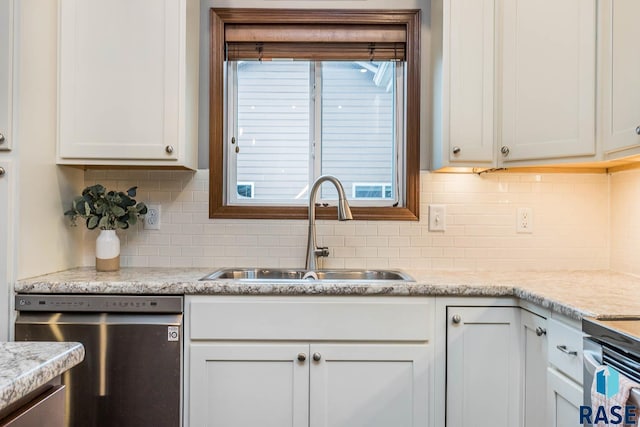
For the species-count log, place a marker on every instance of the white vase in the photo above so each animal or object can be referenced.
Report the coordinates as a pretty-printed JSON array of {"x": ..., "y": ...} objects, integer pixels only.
[{"x": 107, "y": 251}]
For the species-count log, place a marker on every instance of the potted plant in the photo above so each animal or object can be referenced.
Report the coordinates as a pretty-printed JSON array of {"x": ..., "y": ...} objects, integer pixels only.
[{"x": 108, "y": 211}]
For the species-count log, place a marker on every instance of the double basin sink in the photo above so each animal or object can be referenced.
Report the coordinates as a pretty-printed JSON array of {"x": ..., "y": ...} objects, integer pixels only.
[{"x": 294, "y": 275}]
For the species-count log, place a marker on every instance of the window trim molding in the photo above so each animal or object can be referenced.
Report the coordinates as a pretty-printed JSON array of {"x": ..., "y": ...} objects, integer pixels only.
[{"x": 221, "y": 16}]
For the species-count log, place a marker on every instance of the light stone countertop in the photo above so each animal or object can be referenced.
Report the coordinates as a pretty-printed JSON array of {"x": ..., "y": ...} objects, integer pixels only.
[
  {"x": 25, "y": 366},
  {"x": 601, "y": 294}
]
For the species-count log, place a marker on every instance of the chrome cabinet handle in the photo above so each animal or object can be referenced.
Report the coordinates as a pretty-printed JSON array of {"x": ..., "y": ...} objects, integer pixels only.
[
  {"x": 2, "y": 138},
  {"x": 302, "y": 357},
  {"x": 2, "y": 171},
  {"x": 456, "y": 150},
  {"x": 638, "y": 130},
  {"x": 541, "y": 331},
  {"x": 317, "y": 357},
  {"x": 169, "y": 149},
  {"x": 504, "y": 150},
  {"x": 563, "y": 348},
  {"x": 456, "y": 319}
]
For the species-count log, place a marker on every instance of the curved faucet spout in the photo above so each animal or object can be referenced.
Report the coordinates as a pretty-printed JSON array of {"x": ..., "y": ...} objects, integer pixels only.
[{"x": 344, "y": 214}]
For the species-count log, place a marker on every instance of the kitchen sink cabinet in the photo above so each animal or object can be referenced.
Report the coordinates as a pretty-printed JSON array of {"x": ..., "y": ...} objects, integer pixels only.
[
  {"x": 252, "y": 369},
  {"x": 127, "y": 83},
  {"x": 619, "y": 71},
  {"x": 247, "y": 384},
  {"x": 483, "y": 377},
  {"x": 509, "y": 91},
  {"x": 302, "y": 384}
]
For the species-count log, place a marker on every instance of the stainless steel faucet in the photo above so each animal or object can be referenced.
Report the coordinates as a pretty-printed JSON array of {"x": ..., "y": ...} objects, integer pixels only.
[{"x": 344, "y": 214}]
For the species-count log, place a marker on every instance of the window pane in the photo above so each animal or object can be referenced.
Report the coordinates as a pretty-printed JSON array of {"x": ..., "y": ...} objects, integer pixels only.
[
  {"x": 358, "y": 133},
  {"x": 273, "y": 129}
]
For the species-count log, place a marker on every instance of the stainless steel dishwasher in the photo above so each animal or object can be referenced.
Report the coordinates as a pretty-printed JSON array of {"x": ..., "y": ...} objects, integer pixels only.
[
  {"x": 131, "y": 374},
  {"x": 615, "y": 343}
]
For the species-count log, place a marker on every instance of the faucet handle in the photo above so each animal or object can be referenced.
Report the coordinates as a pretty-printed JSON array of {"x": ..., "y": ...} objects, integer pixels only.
[{"x": 322, "y": 251}]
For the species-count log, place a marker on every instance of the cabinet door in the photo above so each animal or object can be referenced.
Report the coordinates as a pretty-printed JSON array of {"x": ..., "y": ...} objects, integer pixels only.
[
  {"x": 468, "y": 80},
  {"x": 564, "y": 400},
  {"x": 620, "y": 70},
  {"x": 483, "y": 368},
  {"x": 119, "y": 74},
  {"x": 534, "y": 341},
  {"x": 548, "y": 79},
  {"x": 240, "y": 385},
  {"x": 369, "y": 385},
  {"x": 6, "y": 80}
]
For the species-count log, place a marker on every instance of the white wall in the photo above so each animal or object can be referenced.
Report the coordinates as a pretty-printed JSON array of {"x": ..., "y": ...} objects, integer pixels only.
[
  {"x": 625, "y": 221},
  {"x": 571, "y": 214},
  {"x": 45, "y": 243}
]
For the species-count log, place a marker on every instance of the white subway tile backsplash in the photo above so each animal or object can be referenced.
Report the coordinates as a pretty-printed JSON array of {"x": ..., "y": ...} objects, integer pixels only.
[{"x": 571, "y": 226}]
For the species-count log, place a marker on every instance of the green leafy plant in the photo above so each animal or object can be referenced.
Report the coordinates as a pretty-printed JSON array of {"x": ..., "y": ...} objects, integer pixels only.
[{"x": 106, "y": 210}]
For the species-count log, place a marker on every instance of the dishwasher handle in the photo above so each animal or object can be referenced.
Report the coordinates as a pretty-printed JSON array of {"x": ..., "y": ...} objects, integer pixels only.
[{"x": 40, "y": 318}]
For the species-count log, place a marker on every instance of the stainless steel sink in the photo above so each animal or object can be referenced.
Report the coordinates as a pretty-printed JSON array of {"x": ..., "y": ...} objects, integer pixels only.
[{"x": 278, "y": 274}]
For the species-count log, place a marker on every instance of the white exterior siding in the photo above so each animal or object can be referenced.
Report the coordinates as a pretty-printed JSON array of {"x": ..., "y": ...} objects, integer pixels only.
[{"x": 273, "y": 128}]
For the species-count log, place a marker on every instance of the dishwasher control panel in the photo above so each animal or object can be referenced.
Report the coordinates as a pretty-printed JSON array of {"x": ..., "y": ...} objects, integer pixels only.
[{"x": 99, "y": 303}]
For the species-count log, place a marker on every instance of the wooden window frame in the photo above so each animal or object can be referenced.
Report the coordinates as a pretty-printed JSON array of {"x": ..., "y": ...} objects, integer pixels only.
[{"x": 222, "y": 16}]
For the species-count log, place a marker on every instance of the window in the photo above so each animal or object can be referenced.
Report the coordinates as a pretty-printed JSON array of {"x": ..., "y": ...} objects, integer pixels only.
[
  {"x": 293, "y": 121},
  {"x": 284, "y": 113}
]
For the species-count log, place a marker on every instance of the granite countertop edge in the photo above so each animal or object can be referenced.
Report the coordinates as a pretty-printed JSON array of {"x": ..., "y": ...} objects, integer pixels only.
[
  {"x": 26, "y": 366},
  {"x": 575, "y": 294}
]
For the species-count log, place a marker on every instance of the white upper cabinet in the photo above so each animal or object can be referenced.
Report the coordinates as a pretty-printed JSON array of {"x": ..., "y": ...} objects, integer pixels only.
[
  {"x": 468, "y": 82},
  {"x": 6, "y": 67},
  {"x": 548, "y": 79},
  {"x": 620, "y": 77},
  {"x": 128, "y": 82},
  {"x": 514, "y": 82}
]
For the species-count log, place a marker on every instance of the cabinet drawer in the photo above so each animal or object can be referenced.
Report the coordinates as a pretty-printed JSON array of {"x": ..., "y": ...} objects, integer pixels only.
[
  {"x": 565, "y": 349},
  {"x": 305, "y": 318}
]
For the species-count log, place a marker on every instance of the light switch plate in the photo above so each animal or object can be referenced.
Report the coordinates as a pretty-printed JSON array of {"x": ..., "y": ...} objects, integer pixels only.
[{"x": 437, "y": 215}]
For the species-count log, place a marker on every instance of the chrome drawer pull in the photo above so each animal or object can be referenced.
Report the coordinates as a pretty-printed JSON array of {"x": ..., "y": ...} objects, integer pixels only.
[{"x": 563, "y": 348}]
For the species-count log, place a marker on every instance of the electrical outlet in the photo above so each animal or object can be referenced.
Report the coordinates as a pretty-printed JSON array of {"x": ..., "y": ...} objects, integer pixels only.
[
  {"x": 524, "y": 220},
  {"x": 437, "y": 215},
  {"x": 152, "y": 218}
]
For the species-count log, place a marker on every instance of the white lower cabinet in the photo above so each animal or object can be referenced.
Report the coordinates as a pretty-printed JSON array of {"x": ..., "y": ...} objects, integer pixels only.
[
  {"x": 287, "y": 361},
  {"x": 296, "y": 384},
  {"x": 483, "y": 367},
  {"x": 565, "y": 375},
  {"x": 368, "y": 385},
  {"x": 564, "y": 400},
  {"x": 236, "y": 385},
  {"x": 533, "y": 330}
]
